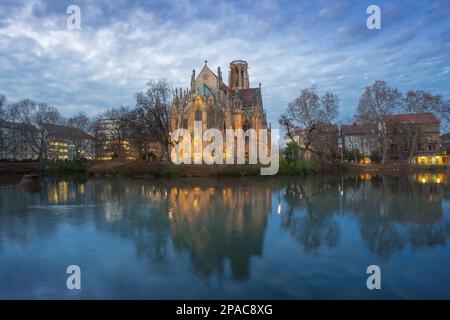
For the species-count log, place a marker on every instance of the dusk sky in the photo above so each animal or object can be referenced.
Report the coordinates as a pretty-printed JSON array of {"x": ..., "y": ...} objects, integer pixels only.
[{"x": 289, "y": 45}]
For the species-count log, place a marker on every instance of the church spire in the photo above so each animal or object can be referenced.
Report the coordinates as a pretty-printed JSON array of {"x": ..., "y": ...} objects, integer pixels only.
[
  {"x": 193, "y": 80},
  {"x": 219, "y": 74}
]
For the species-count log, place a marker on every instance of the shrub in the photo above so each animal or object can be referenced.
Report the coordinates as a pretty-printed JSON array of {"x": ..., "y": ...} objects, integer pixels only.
[
  {"x": 303, "y": 167},
  {"x": 291, "y": 152},
  {"x": 64, "y": 167},
  {"x": 169, "y": 172},
  {"x": 124, "y": 170}
]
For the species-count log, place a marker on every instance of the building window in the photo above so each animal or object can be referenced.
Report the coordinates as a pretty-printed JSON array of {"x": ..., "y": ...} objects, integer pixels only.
[
  {"x": 246, "y": 125},
  {"x": 198, "y": 115}
]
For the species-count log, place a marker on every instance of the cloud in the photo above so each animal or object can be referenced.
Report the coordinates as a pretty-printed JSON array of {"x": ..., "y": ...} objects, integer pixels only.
[{"x": 288, "y": 44}]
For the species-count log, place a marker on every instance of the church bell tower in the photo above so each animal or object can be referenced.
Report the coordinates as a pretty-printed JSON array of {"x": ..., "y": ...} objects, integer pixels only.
[{"x": 238, "y": 77}]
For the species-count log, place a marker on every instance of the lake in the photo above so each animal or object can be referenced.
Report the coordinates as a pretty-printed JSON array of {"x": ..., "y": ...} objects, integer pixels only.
[{"x": 243, "y": 238}]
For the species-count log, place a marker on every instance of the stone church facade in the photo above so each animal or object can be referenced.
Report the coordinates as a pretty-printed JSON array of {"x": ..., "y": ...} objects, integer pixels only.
[{"x": 218, "y": 105}]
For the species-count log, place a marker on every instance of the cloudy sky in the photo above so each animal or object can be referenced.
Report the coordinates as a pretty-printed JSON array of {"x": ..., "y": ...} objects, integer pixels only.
[{"x": 288, "y": 44}]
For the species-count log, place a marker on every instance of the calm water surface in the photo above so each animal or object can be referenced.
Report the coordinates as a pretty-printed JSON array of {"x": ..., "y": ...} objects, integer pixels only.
[{"x": 277, "y": 238}]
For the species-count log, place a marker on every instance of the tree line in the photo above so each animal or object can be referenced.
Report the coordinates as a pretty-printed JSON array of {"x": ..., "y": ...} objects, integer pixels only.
[
  {"x": 148, "y": 121},
  {"x": 311, "y": 111}
]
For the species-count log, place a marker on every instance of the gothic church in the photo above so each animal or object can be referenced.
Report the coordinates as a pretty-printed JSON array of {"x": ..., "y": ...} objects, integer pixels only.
[{"x": 217, "y": 105}]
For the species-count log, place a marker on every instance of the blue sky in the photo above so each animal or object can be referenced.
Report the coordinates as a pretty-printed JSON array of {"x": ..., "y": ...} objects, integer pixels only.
[{"x": 288, "y": 44}]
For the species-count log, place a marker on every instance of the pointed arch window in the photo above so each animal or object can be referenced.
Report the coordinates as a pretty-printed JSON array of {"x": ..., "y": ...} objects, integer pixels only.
[
  {"x": 246, "y": 125},
  {"x": 198, "y": 115}
]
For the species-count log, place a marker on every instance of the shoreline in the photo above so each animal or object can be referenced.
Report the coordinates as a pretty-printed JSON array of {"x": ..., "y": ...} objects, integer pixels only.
[{"x": 143, "y": 169}]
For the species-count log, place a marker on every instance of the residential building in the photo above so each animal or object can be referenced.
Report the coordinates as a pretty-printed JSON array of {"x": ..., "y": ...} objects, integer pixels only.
[
  {"x": 445, "y": 148},
  {"x": 63, "y": 143},
  {"x": 68, "y": 143},
  {"x": 359, "y": 141},
  {"x": 445, "y": 144},
  {"x": 113, "y": 142},
  {"x": 13, "y": 141},
  {"x": 320, "y": 142},
  {"x": 412, "y": 138}
]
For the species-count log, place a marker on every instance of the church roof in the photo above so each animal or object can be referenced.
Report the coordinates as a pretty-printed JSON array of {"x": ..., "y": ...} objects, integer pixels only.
[
  {"x": 205, "y": 91},
  {"x": 206, "y": 70},
  {"x": 248, "y": 96}
]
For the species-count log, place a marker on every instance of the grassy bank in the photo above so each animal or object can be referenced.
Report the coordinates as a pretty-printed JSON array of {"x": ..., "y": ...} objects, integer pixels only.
[
  {"x": 9, "y": 167},
  {"x": 301, "y": 167},
  {"x": 64, "y": 168},
  {"x": 150, "y": 169},
  {"x": 146, "y": 169},
  {"x": 396, "y": 168}
]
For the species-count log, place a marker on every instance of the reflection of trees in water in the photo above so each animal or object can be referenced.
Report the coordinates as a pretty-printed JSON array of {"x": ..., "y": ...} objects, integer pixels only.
[
  {"x": 380, "y": 236},
  {"x": 384, "y": 238},
  {"x": 394, "y": 213},
  {"x": 313, "y": 225},
  {"x": 312, "y": 231},
  {"x": 397, "y": 213},
  {"x": 424, "y": 236}
]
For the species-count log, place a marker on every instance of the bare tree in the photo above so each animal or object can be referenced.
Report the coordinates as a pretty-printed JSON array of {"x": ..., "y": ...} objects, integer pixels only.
[
  {"x": 443, "y": 112},
  {"x": 78, "y": 137},
  {"x": 139, "y": 134},
  {"x": 422, "y": 101},
  {"x": 378, "y": 100},
  {"x": 419, "y": 102},
  {"x": 311, "y": 112},
  {"x": 111, "y": 132},
  {"x": 2, "y": 106},
  {"x": 7, "y": 135},
  {"x": 37, "y": 118},
  {"x": 154, "y": 108}
]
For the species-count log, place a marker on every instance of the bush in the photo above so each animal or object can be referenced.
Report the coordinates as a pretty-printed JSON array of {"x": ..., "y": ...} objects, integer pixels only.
[
  {"x": 291, "y": 152},
  {"x": 342, "y": 167},
  {"x": 376, "y": 157},
  {"x": 65, "y": 167},
  {"x": 169, "y": 172},
  {"x": 303, "y": 167},
  {"x": 123, "y": 170}
]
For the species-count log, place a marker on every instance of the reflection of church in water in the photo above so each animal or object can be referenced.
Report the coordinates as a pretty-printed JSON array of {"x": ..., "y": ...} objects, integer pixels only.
[{"x": 219, "y": 225}]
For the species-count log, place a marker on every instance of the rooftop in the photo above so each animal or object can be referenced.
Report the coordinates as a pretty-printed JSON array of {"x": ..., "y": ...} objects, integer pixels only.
[
  {"x": 426, "y": 117},
  {"x": 60, "y": 130}
]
